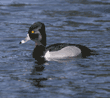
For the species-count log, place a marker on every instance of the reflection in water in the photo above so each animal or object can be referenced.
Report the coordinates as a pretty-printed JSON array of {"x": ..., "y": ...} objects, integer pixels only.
[
  {"x": 37, "y": 73},
  {"x": 37, "y": 68},
  {"x": 37, "y": 82}
]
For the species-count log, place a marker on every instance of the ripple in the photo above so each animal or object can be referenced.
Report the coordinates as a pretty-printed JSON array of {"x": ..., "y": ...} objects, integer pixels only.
[{"x": 78, "y": 22}]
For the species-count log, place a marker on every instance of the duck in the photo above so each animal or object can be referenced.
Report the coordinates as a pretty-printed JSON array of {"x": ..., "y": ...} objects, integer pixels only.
[{"x": 37, "y": 34}]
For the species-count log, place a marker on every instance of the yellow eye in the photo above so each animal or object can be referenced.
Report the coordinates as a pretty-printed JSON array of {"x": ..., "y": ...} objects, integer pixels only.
[{"x": 32, "y": 31}]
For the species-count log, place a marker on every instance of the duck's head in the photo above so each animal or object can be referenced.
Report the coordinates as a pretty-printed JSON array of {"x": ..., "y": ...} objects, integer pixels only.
[{"x": 37, "y": 34}]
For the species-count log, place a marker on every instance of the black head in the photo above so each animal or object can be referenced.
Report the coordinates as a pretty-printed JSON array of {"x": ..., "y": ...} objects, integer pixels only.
[{"x": 37, "y": 33}]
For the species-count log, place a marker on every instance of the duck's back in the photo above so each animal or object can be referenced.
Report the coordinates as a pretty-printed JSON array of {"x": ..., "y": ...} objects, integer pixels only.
[{"x": 69, "y": 49}]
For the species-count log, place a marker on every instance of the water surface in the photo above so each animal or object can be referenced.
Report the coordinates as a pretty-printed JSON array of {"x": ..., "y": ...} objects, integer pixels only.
[{"x": 82, "y": 22}]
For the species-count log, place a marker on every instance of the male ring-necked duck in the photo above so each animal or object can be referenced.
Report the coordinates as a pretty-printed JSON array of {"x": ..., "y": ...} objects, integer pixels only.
[{"x": 55, "y": 51}]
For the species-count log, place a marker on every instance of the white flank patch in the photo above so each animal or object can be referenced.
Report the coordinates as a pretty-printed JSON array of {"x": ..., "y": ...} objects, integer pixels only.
[
  {"x": 47, "y": 55},
  {"x": 69, "y": 51}
]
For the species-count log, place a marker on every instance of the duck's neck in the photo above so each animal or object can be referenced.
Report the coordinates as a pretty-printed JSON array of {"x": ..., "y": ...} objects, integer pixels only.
[
  {"x": 39, "y": 43},
  {"x": 43, "y": 40}
]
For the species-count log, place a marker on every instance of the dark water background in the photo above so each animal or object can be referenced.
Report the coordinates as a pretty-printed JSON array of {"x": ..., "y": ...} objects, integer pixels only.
[{"x": 85, "y": 22}]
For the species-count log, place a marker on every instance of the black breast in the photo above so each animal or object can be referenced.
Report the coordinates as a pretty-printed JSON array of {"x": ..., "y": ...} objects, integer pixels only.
[{"x": 39, "y": 52}]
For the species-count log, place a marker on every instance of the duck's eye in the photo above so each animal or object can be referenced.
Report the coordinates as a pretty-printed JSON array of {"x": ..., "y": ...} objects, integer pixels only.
[{"x": 32, "y": 31}]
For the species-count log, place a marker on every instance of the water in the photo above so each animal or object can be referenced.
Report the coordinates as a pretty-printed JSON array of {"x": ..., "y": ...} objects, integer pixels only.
[{"x": 82, "y": 22}]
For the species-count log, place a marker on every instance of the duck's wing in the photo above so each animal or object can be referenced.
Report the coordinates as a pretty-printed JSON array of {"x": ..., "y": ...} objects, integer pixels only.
[{"x": 85, "y": 51}]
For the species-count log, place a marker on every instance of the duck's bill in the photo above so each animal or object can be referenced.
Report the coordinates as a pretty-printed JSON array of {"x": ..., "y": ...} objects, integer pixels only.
[{"x": 25, "y": 40}]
